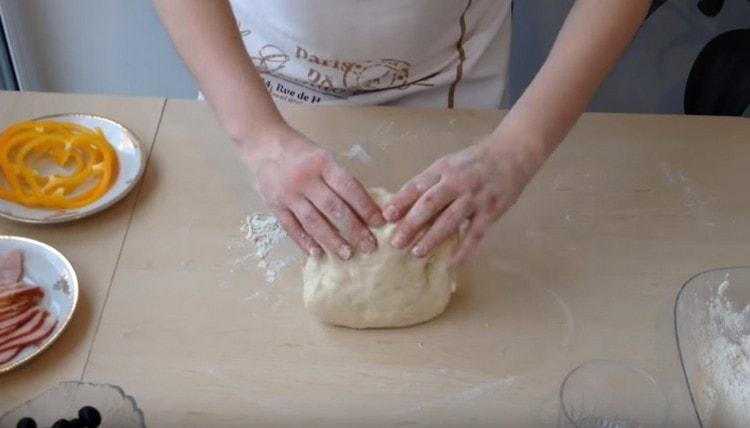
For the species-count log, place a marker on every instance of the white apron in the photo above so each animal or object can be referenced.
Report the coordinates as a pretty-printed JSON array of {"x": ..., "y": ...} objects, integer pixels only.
[{"x": 433, "y": 53}]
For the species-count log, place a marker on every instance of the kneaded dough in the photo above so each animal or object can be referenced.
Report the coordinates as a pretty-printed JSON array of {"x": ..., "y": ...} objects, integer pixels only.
[{"x": 388, "y": 288}]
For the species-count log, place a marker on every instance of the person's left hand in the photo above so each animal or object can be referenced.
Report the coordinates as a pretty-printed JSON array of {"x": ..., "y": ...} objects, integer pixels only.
[{"x": 477, "y": 184}]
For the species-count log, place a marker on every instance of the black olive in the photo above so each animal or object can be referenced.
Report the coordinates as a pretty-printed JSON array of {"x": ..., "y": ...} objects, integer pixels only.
[
  {"x": 61, "y": 423},
  {"x": 90, "y": 417},
  {"x": 26, "y": 423},
  {"x": 76, "y": 423}
]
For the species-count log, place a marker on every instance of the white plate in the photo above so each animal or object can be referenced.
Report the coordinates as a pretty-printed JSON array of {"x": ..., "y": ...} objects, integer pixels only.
[
  {"x": 131, "y": 165},
  {"x": 46, "y": 267},
  {"x": 63, "y": 401}
]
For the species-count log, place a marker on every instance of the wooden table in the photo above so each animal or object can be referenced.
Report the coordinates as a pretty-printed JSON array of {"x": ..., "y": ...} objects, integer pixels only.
[
  {"x": 585, "y": 266},
  {"x": 92, "y": 245}
]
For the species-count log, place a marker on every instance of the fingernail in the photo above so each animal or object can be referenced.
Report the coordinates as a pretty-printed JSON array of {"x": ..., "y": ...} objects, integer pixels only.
[
  {"x": 419, "y": 251},
  {"x": 377, "y": 220},
  {"x": 344, "y": 252},
  {"x": 399, "y": 241},
  {"x": 367, "y": 245},
  {"x": 315, "y": 252},
  {"x": 390, "y": 213}
]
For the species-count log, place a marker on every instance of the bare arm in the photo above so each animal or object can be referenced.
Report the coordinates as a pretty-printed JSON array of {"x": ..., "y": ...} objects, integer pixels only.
[
  {"x": 206, "y": 36},
  {"x": 319, "y": 203},
  {"x": 594, "y": 36},
  {"x": 480, "y": 183}
]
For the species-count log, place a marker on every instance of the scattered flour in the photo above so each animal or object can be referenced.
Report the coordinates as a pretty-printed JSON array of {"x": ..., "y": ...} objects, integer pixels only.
[
  {"x": 597, "y": 422},
  {"x": 265, "y": 233},
  {"x": 692, "y": 197},
  {"x": 724, "y": 396},
  {"x": 272, "y": 268},
  {"x": 570, "y": 324},
  {"x": 358, "y": 152},
  {"x": 382, "y": 134},
  {"x": 483, "y": 388}
]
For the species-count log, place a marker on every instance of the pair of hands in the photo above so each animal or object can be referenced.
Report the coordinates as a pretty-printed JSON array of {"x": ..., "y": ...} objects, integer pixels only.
[{"x": 323, "y": 207}]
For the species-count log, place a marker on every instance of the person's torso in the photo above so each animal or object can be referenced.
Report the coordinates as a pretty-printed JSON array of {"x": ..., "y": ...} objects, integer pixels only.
[{"x": 440, "y": 53}]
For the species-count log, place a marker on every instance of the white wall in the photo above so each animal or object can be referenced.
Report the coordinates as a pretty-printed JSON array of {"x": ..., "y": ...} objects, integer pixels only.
[
  {"x": 651, "y": 77},
  {"x": 93, "y": 46}
]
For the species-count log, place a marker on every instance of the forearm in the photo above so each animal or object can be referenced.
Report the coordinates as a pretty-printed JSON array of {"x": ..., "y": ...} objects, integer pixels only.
[
  {"x": 592, "y": 39},
  {"x": 207, "y": 38}
]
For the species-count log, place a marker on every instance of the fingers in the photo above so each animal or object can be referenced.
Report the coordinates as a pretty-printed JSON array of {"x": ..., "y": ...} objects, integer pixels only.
[
  {"x": 353, "y": 193},
  {"x": 446, "y": 225},
  {"x": 318, "y": 228},
  {"x": 427, "y": 207},
  {"x": 409, "y": 193},
  {"x": 343, "y": 219},
  {"x": 471, "y": 239},
  {"x": 294, "y": 229}
]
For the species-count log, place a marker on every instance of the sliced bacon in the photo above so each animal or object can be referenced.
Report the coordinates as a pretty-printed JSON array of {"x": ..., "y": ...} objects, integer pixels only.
[
  {"x": 7, "y": 356},
  {"x": 28, "y": 327},
  {"x": 44, "y": 329},
  {"x": 16, "y": 295},
  {"x": 17, "y": 321},
  {"x": 16, "y": 288},
  {"x": 16, "y": 308},
  {"x": 21, "y": 308},
  {"x": 11, "y": 267},
  {"x": 7, "y": 288},
  {"x": 23, "y": 322}
]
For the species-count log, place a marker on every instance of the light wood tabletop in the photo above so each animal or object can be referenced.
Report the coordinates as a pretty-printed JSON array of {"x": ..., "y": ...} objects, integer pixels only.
[
  {"x": 92, "y": 245},
  {"x": 586, "y": 266}
]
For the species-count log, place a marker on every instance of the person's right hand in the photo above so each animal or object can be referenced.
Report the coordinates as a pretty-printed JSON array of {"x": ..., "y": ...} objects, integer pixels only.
[{"x": 317, "y": 201}]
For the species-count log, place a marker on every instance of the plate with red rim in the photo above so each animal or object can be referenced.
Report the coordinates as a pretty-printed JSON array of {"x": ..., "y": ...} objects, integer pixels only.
[
  {"x": 131, "y": 165},
  {"x": 47, "y": 268}
]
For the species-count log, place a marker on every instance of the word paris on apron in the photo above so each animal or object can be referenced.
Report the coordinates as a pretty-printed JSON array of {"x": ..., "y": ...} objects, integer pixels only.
[{"x": 435, "y": 53}]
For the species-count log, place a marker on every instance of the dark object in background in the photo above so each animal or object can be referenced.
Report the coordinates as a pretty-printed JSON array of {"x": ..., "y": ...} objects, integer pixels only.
[
  {"x": 710, "y": 7},
  {"x": 655, "y": 4},
  {"x": 719, "y": 82},
  {"x": 76, "y": 423},
  {"x": 90, "y": 416},
  {"x": 26, "y": 423}
]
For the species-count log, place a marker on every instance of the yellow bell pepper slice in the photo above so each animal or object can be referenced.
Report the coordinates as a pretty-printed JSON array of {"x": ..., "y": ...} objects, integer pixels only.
[{"x": 94, "y": 162}]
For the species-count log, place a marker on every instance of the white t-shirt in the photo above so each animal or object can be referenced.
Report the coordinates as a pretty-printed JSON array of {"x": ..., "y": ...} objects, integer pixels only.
[{"x": 434, "y": 53}]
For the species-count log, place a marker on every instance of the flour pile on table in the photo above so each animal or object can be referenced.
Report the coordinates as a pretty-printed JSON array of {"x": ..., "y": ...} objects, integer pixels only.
[
  {"x": 266, "y": 233},
  {"x": 724, "y": 396}
]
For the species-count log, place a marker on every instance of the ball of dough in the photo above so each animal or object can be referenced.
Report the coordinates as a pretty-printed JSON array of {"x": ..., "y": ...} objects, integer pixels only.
[{"x": 388, "y": 288}]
